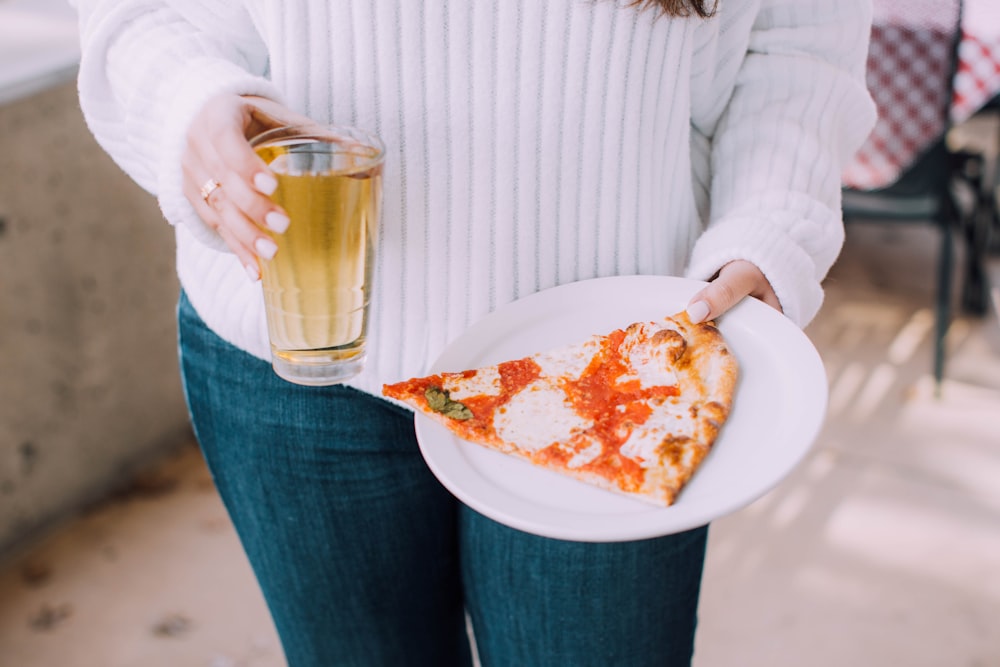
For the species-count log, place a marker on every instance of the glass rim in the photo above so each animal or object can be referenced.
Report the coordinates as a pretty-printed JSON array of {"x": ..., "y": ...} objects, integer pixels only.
[{"x": 286, "y": 134}]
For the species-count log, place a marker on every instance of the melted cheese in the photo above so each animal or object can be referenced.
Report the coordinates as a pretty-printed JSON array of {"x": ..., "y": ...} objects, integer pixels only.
[
  {"x": 651, "y": 364},
  {"x": 568, "y": 362},
  {"x": 584, "y": 456},
  {"x": 673, "y": 418},
  {"x": 486, "y": 382},
  {"x": 536, "y": 417}
]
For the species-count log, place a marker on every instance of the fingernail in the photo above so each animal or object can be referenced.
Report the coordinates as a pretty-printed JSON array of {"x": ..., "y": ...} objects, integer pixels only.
[
  {"x": 265, "y": 183},
  {"x": 253, "y": 272},
  {"x": 265, "y": 247},
  {"x": 277, "y": 222},
  {"x": 698, "y": 311}
]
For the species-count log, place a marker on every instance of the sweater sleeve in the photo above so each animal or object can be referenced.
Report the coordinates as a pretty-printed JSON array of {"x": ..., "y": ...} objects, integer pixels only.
[
  {"x": 147, "y": 68},
  {"x": 798, "y": 110}
]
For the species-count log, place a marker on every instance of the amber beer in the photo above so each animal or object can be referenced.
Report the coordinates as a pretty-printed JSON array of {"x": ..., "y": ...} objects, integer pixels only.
[{"x": 318, "y": 285}]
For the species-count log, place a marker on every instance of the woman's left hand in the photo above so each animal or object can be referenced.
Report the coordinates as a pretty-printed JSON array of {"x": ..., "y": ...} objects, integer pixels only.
[{"x": 736, "y": 280}]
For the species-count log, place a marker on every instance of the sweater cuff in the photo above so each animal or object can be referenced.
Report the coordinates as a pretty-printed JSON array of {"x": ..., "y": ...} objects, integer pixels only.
[
  {"x": 786, "y": 265},
  {"x": 194, "y": 86}
]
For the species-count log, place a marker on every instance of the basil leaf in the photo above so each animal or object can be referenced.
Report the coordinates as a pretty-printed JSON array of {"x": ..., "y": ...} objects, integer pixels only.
[
  {"x": 437, "y": 398},
  {"x": 456, "y": 410},
  {"x": 440, "y": 401}
]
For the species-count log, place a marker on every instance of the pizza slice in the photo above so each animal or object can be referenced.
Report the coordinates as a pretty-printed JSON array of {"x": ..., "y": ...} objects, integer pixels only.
[{"x": 634, "y": 411}]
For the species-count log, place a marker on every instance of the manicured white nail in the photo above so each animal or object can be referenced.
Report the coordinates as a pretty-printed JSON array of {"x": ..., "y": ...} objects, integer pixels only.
[
  {"x": 698, "y": 311},
  {"x": 265, "y": 183},
  {"x": 277, "y": 222},
  {"x": 265, "y": 247},
  {"x": 253, "y": 272}
]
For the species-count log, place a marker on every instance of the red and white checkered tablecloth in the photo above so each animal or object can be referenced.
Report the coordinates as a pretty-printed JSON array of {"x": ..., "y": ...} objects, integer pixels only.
[
  {"x": 906, "y": 66},
  {"x": 978, "y": 77}
]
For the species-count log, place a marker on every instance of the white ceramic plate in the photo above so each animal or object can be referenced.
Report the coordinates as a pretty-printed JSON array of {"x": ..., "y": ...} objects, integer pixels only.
[{"x": 777, "y": 412}]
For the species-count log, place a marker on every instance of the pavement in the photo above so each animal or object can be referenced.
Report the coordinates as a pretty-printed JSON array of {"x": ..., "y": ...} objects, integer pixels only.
[{"x": 882, "y": 548}]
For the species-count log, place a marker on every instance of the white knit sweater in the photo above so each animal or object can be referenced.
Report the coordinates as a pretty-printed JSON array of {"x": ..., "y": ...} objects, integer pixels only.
[{"x": 530, "y": 142}]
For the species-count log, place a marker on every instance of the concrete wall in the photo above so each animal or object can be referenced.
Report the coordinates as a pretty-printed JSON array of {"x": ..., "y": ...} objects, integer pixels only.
[{"x": 89, "y": 387}]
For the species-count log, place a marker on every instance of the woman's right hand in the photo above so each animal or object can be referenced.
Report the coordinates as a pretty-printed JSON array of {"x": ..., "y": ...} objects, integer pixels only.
[{"x": 225, "y": 180}]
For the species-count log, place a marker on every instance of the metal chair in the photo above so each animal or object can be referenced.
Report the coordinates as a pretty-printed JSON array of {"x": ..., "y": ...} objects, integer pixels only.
[{"x": 906, "y": 172}]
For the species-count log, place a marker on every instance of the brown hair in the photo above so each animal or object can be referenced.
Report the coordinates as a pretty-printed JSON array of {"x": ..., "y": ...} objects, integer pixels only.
[{"x": 703, "y": 8}]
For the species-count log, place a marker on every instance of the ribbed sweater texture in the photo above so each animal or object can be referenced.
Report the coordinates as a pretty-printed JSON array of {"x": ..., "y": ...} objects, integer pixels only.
[{"x": 530, "y": 143}]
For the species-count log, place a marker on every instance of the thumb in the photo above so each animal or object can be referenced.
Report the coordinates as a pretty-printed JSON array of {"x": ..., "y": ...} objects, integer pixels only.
[
  {"x": 263, "y": 114},
  {"x": 735, "y": 280}
]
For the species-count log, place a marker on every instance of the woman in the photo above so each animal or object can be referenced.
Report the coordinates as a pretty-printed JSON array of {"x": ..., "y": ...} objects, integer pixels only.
[{"x": 529, "y": 145}]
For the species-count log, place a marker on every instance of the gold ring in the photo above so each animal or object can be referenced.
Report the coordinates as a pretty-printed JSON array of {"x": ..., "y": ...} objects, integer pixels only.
[{"x": 210, "y": 186}]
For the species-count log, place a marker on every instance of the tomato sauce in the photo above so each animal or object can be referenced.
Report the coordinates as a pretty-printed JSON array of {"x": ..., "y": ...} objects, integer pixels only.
[{"x": 615, "y": 405}]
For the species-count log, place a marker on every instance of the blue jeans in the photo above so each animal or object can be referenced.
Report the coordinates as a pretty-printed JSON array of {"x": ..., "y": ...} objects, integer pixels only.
[{"x": 365, "y": 560}]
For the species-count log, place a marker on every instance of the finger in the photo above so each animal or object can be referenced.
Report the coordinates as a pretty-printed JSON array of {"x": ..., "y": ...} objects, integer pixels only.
[
  {"x": 244, "y": 239},
  {"x": 710, "y": 302},
  {"x": 735, "y": 281},
  {"x": 245, "y": 177},
  {"x": 249, "y": 261},
  {"x": 264, "y": 114},
  {"x": 251, "y": 241},
  {"x": 223, "y": 208}
]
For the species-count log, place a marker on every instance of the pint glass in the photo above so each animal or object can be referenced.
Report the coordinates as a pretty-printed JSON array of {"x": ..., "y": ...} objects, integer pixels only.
[{"x": 318, "y": 285}]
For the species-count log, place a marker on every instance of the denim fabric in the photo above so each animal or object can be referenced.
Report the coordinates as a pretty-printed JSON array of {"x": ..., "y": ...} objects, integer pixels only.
[
  {"x": 365, "y": 560},
  {"x": 538, "y": 602}
]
